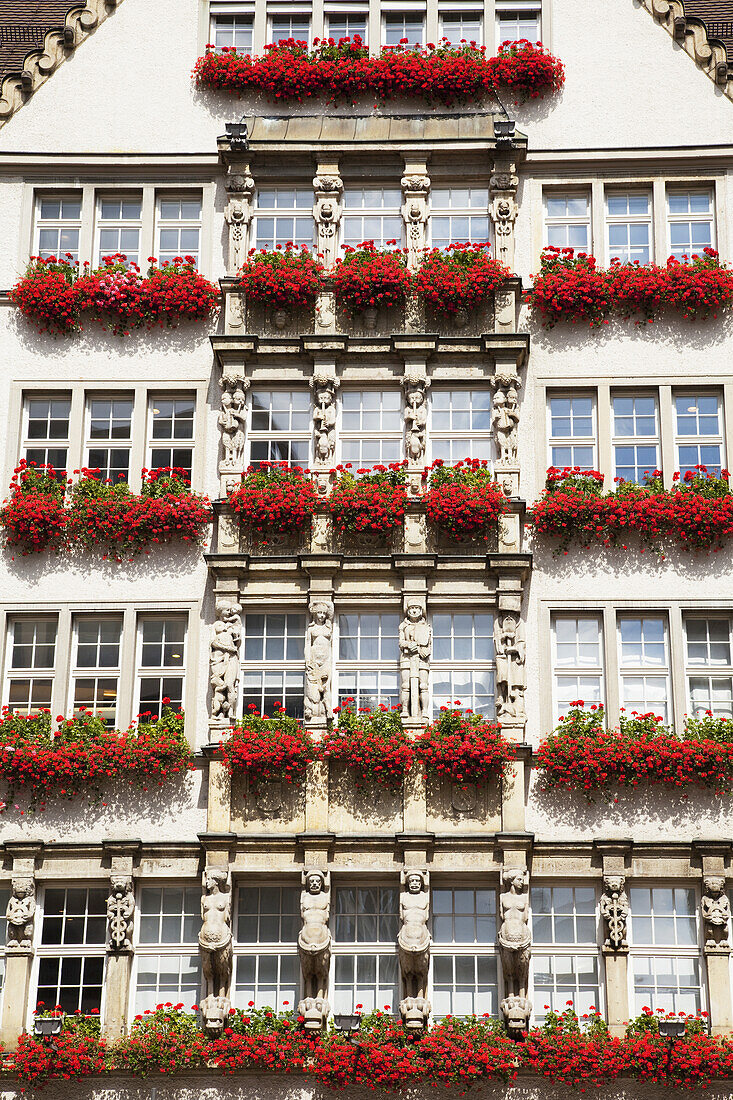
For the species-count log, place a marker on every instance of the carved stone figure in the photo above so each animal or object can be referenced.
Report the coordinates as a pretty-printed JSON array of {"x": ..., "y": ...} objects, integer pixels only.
[
  {"x": 238, "y": 214},
  {"x": 225, "y": 644},
  {"x": 21, "y": 914},
  {"x": 120, "y": 913},
  {"x": 413, "y": 942},
  {"x": 416, "y": 641},
  {"x": 614, "y": 911},
  {"x": 516, "y": 1012},
  {"x": 324, "y": 420},
  {"x": 318, "y": 639},
  {"x": 327, "y": 213},
  {"x": 503, "y": 209},
  {"x": 511, "y": 671},
  {"x": 415, "y": 189},
  {"x": 515, "y": 937},
  {"x": 314, "y": 946},
  {"x": 215, "y": 946},
  {"x": 505, "y": 421},
  {"x": 232, "y": 420},
  {"x": 416, "y": 420},
  {"x": 715, "y": 912}
]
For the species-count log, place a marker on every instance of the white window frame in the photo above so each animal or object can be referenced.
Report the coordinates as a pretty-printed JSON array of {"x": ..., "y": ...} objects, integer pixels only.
[
  {"x": 236, "y": 11},
  {"x": 360, "y": 665},
  {"x": 636, "y": 441},
  {"x": 572, "y": 441},
  {"x": 162, "y": 950},
  {"x": 109, "y": 444},
  {"x": 454, "y": 11},
  {"x": 542, "y": 949},
  {"x": 691, "y": 218},
  {"x": 675, "y": 951},
  {"x": 519, "y": 7},
  {"x": 62, "y": 950},
  {"x": 46, "y": 444},
  {"x": 568, "y": 221},
  {"x": 345, "y": 11},
  {"x": 577, "y": 671},
  {"x": 352, "y": 214},
  {"x": 285, "y": 10},
  {"x": 170, "y": 442},
  {"x": 707, "y": 671},
  {"x": 121, "y": 223},
  {"x": 161, "y": 672},
  {"x": 468, "y": 666},
  {"x": 463, "y": 949},
  {"x": 630, "y": 219},
  {"x": 31, "y": 673},
  {"x": 282, "y": 667},
  {"x": 453, "y": 209},
  {"x": 161, "y": 223},
  {"x": 256, "y": 949},
  {"x": 59, "y": 223},
  {"x": 376, "y": 949},
  {"x": 365, "y": 435},
  {"x": 482, "y": 437},
  {"x": 278, "y": 213},
  {"x": 716, "y": 440},
  {"x": 643, "y": 671},
  {"x": 391, "y": 11},
  {"x": 97, "y": 672},
  {"x": 273, "y": 436}
]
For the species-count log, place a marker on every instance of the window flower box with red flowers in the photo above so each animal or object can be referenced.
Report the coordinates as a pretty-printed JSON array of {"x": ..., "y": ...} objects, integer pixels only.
[
  {"x": 463, "y": 501},
  {"x": 459, "y": 278},
  {"x": 572, "y": 288},
  {"x": 268, "y": 750},
  {"x": 581, "y": 754},
  {"x": 76, "y": 1052},
  {"x": 82, "y": 755},
  {"x": 283, "y": 278},
  {"x": 370, "y": 743},
  {"x": 59, "y": 297},
  {"x": 372, "y": 502},
  {"x": 369, "y": 278},
  {"x": 463, "y": 747},
  {"x": 34, "y": 518},
  {"x": 273, "y": 499},
  {"x": 344, "y": 70}
]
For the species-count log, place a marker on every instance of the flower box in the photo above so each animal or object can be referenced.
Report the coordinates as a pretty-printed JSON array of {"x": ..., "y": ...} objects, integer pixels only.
[
  {"x": 274, "y": 500},
  {"x": 463, "y": 747},
  {"x": 371, "y": 744},
  {"x": 463, "y": 502},
  {"x": 268, "y": 750},
  {"x": 370, "y": 503}
]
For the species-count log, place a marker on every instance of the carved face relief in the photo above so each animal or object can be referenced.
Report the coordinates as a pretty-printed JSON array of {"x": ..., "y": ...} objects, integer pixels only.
[
  {"x": 414, "y": 884},
  {"x": 314, "y": 884},
  {"x": 23, "y": 888},
  {"x": 714, "y": 886},
  {"x": 119, "y": 887},
  {"x": 614, "y": 884},
  {"x": 415, "y": 613}
]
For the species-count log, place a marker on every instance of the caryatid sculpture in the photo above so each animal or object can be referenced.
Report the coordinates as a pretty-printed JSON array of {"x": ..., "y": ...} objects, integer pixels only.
[
  {"x": 416, "y": 641},
  {"x": 515, "y": 941},
  {"x": 225, "y": 644},
  {"x": 614, "y": 908},
  {"x": 715, "y": 912},
  {"x": 215, "y": 946},
  {"x": 505, "y": 419},
  {"x": 510, "y": 651},
  {"x": 327, "y": 213},
  {"x": 314, "y": 947},
  {"x": 416, "y": 420},
  {"x": 232, "y": 421},
  {"x": 413, "y": 943},
  {"x": 20, "y": 915},
  {"x": 120, "y": 913},
  {"x": 324, "y": 419},
  {"x": 318, "y": 645}
]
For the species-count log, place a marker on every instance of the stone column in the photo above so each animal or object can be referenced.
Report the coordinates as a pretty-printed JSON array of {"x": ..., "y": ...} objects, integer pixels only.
[
  {"x": 21, "y": 915},
  {"x": 503, "y": 208},
  {"x": 614, "y": 913},
  {"x": 716, "y": 915},
  {"x": 327, "y": 210},
  {"x": 120, "y": 918},
  {"x": 415, "y": 208},
  {"x": 238, "y": 212}
]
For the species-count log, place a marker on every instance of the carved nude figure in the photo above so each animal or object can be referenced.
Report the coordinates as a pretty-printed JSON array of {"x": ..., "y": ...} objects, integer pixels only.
[
  {"x": 225, "y": 644},
  {"x": 314, "y": 939},
  {"x": 514, "y": 933},
  {"x": 318, "y": 638},
  {"x": 231, "y": 422},
  {"x": 324, "y": 420},
  {"x": 215, "y": 943},
  {"x": 416, "y": 422},
  {"x": 505, "y": 420}
]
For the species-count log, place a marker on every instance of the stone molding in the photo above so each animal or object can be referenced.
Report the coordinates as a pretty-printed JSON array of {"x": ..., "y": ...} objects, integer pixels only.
[{"x": 692, "y": 35}]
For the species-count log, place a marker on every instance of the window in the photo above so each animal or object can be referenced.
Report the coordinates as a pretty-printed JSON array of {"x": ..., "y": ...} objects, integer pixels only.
[
  {"x": 369, "y": 656},
  {"x": 521, "y": 19},
  {"x": 179, "y": 228},
  {"x": 267, "y": 963},
  {"x": 161, "y": 662},
  {"x": 371, "y": 426},
  {"x": 463, "y": 639},
  {"x": 58, "y": 225},
  {"x": 273, "y": 655},
  {"x": 365, "y": 966},
  {"x": 233, "y": 31},
  {"x": 699, "y": 435},
  {"x": 644, "y": 664},
  {"x": 295, "y": 25},
  {"x": 565, "y": 952},
  {"x": 347, "y": 25},
  {"x": 463, "y": 956},
  {"x": 30, "y": 665},
  {"x": 119, "y": 226},
  {"x": 280, "y": 426},
  {"x": 709, "y": 666},
  {"x": 635, "y": 436},
  {"x": 46, "y": 430},
  {"x": 629, "y": 226},
  {"x": 462, "y": 26},
  {"x": 460, "y": 424},
  {"x": 572, "y": 431},
  {"x": 96, "y": 665},
  {"x": 372, "y": 214},
  {"x": 664, "y": 951},
  {"x": 167, "y": 956},
  {"x": 284, "y": 214},
  {"x": 690, "y": 216},
  {"x": 567, "y": 220},
  {"x": 458, "y": 214},
  {"x": 399, "y": 25},
  {"x": 577, "y": 661},
  {"x": 109, "y": 435},
  {"x": 171, "y": 423},
  {"x": 72, "y": 948}
]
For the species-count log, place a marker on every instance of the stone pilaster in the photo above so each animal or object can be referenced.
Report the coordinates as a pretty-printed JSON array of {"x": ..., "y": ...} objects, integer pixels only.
[
  {"x": 615, "y": 856},
  {"x": 19, "y": 948},
  {"x": 503, "y": 208},
  {"x": 123, "y": 857},
  {"x": 715, "y": 919},
  {"x": 238, "y": 212},
  {"x": 415, "y": 208}
]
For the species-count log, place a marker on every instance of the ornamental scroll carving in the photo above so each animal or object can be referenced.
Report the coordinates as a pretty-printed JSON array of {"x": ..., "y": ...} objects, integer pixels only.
[
  {"x": 238, "y": 214},
  {"x": 225, "y": 643},
  {"x": 510, "y": 650},
  {"x": 120, "y": 914},
  {"x": 413, "y": 943},
  {"x": 215, "y": 947},
  {"x": 614, "y": 911},
  {"x": 515, "y": 945},
  {"x": 318, "y": 645},
  {"x": 327, "y": 213},
  {"x": 314, "y": 947},
  {"x": 715, "y": 908},
  {"x": 415, "y": 191},
  {"x": 21, "y": 914},
  {"x": 416, "y": 641}
]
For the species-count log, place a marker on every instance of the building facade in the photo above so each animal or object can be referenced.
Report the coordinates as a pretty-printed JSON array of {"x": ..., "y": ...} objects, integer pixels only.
[{"x": 107, "y": 146}]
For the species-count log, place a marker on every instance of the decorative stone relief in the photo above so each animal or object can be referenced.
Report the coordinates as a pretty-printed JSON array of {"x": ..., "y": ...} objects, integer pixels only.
[
  {"x": 326, "y": 311},
  {"x": 232, "y": 422},
  {"x": 515, "y": 940},
  {"x": 715, "y": 913},
  {"x": 503, "y": 209},
  {"x": 692, "y": 35},
  {"x": 238, "y": 213},
  {"x": 505, "y": 417},
  {"x": 413, "y": 943},
  {"x": 415, "y": 191},
  {"x": 511, "y": 670},
  {"x": 416, "y": 418},
  {"x": 120, "y": 913},
  {"x": 215, "y": 947},
  {"x": 21, "y": 914},
  {"x": 314, "y": 947},
  {"x": 324, "y": 418},
  {"x": 416, "y": 641},
  {"x": 225, "y": 645},
  {"x": 614, "y": 911},
  {"x": 318, "y": 644},
  {"x": 327, "y": 213}
]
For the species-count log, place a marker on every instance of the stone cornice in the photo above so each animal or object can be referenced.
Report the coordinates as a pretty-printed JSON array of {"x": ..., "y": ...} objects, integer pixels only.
[
  {"x": 39, "y": 63},
  {"x": 692, "y": 35}
]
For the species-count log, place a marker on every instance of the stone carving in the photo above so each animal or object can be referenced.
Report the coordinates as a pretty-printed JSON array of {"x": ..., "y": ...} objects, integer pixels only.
[
  {"x": 692, "y": 36},
  {"x": 20, "y": 914},
  {"x": 314, "y": 947},
  {"x": 614, "y": 911},
  {"x": 511, "y": 671},
  {"x": 232, "y": 421},
  {"x": 503, "y": 209},
  {"x": 238, "y": 214},
  {"x": 415, "y": 189},
  {"x": 416, "y": 419},
  {"x": 215, "y": 946},
  {"x": 715, "y": 912},
  {"x": 416, "y": 640},
  {"x": 413, "y": 943},
  {"x": 515, "y": 941},
  {"x": 324, "y": 419},
  {"x": 225, "y": 645},
  {"x": 327, "y": 212},
  {"x": 505, "y": 418},
  {"x": 326, "y": 310},
  {"x": 318, "y": 639},
  {"x": 120, "y": 913}
]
